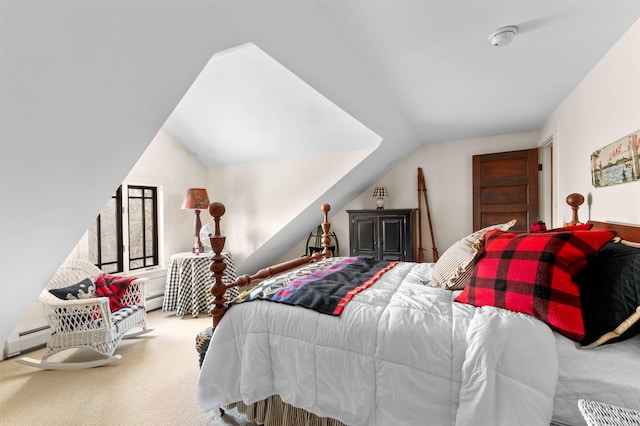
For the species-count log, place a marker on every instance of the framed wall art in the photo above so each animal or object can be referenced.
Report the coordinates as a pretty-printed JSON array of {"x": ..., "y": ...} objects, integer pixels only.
[{"x": 618, "y": 162}]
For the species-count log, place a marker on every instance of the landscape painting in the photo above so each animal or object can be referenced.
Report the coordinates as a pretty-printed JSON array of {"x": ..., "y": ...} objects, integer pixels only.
[{"x": 618, "y": 162}]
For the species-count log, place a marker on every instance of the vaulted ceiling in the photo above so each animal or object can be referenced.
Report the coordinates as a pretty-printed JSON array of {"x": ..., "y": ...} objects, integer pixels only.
[{"x": 430, "y": 62}]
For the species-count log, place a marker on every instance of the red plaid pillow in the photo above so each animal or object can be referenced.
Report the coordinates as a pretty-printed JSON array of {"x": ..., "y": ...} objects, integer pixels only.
[
  {"x": 536, "y": 227},
  {"x": 113, "y": 287},
  {"x": 533, "y": 274}
]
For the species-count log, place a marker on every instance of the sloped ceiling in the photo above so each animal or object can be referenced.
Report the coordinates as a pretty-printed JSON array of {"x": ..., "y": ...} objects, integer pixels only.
[
  {"x": 431, "y": 60},
  {"x": 245, "y": 107}
]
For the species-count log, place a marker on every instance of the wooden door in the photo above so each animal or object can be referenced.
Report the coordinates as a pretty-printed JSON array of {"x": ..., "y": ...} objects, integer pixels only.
[{"x": 505, "y": 187}]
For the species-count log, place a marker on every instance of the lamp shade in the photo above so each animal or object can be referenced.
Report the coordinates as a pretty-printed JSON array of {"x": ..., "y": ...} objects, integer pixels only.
[
  {"x": 380, "y": 191},
  {"x": 196, "y": 199}
]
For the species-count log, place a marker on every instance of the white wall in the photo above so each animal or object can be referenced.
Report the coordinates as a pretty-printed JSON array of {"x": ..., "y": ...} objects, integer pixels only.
[
  {"x": 447, "y": 168},
  {"x": 166, "y": 163},
  {"x": 602, "y": 109},
  {"x": 255, "y": 195}
]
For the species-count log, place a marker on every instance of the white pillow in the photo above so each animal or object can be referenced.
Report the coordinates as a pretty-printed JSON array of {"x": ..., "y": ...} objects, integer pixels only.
[{"x": 453, "y": 270}]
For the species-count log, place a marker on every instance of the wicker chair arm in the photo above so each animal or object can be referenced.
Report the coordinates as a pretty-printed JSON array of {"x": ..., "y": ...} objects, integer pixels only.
[
  {"x": 49, "y": 299},
  {"x": 134, "y": 295},
  {"x": 65, "y": 316}
]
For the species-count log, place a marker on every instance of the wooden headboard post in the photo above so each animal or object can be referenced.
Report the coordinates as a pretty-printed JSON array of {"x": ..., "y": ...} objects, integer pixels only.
[
  {"x": 626, "y": 232},
  {"x": 575, "y": 200},
  {"x": 217, "y": 267}
]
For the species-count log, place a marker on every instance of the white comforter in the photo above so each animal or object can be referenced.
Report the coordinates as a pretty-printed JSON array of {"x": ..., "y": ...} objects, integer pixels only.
[{"x": 401, "y": 353}]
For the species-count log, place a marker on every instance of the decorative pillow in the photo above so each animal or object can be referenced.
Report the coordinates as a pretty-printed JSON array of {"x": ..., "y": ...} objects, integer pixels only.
[
  {"x": 578, "y": 227},
  {"x": 532, "y": 274},
  {"x": 538, "y": 226},
  {"x": 113, "y": 287},
  {"x": 543, "y": 228},
  {"x": 453, "y": 270},
  {"x": 85, "y": 289},
  {"x": 610, "y": 293}
]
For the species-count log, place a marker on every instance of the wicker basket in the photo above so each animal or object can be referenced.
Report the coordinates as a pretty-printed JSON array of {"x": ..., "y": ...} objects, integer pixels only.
[{"x": 601, "y": 414}]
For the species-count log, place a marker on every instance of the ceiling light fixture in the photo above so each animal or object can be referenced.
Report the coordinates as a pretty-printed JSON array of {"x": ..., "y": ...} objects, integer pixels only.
[{"x": 503, "y": 36}]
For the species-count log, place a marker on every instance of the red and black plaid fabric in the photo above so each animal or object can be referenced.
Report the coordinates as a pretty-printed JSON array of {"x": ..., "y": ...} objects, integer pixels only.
[
  {"x": 538, "y": 226},
  {"x": 113, "y": 287},
  {"x": 533, "y": 274},
  {"x": 542, "y": 227},
  {"x": 578, "y": 227}
]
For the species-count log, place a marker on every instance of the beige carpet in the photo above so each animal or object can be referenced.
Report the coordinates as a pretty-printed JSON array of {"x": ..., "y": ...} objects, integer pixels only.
[{"x": 154, "y": 383}]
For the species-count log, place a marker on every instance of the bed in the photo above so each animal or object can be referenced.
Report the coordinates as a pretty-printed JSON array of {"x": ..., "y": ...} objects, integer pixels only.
[{"x": 406, "y": 351}]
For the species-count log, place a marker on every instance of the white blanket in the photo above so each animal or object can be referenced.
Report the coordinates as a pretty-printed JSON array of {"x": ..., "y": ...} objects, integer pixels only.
[{"x": 401, "y": 353}]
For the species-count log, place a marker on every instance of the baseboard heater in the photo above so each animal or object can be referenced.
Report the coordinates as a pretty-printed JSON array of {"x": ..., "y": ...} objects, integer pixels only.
[
  {"x": 155, "y": 301},
  {"x": 27, "y": 340}
]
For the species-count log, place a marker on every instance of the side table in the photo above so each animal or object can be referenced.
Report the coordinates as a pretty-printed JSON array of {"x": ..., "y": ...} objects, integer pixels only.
[{"x": 189, "y": 280}]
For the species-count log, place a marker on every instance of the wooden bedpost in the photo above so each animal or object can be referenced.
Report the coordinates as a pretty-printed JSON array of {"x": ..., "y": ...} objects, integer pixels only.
[
  {"x": 574, "y": 200},
  {"x": 217, "y": 268}
]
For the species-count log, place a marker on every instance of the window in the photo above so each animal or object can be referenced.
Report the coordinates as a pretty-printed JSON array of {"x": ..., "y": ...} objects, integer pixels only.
[{"x": 127, "y": 224}]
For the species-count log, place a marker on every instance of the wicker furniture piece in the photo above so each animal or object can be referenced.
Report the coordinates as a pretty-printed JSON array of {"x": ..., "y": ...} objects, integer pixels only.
[
  {"x": 601, "y": 414},
  {"x": 88, "y": 323}
]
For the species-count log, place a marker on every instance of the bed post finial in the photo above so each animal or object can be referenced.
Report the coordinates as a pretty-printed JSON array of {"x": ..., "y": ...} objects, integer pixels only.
[
  {"x": 217, "y": 267},
  {"x": 326, "y": 238},
  {"x": 574, "y": 200}
]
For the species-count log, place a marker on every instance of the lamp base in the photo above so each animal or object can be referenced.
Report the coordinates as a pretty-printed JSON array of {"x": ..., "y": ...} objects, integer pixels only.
[{"x": 380, "y": 203}]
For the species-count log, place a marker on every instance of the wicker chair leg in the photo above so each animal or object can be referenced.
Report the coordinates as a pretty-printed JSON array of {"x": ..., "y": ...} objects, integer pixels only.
[
  {"x": 145, "y": 330},
  {"x": 46, "y": 365}
]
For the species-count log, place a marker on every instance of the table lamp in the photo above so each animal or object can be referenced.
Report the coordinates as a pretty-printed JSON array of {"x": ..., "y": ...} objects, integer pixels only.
[
  {"x": 196, "y": 199},
  {"x": 380, "y": 192}
]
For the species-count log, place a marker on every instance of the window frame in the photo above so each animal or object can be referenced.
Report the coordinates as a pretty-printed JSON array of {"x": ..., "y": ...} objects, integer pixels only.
[
  {"x": 120, "y": 242},
  {"x": 123, "y": 264},
  {"x": 155, "y": 238}
]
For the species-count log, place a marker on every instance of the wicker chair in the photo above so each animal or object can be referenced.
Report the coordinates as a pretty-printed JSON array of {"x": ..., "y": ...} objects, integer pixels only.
[{"x": 88, "y": 323}]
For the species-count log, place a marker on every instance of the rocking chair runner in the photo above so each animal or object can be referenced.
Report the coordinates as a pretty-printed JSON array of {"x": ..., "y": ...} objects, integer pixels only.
[{"x": 88, "y": 323}]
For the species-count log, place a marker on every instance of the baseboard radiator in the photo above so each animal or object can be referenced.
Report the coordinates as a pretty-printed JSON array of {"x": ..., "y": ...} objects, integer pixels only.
[{"x": 26, "y": 340}]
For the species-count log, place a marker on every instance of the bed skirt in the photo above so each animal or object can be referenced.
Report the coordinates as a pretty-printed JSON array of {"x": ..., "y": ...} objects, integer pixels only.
[{"x": 273, "y": 412}]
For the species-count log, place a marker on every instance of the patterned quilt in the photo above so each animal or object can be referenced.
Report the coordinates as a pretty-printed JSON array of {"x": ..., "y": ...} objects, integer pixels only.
[{"x": 325, "y": 286}]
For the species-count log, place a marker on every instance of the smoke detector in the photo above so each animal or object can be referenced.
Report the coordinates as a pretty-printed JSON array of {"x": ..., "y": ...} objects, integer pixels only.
[{"x": 503, "y": 36}]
